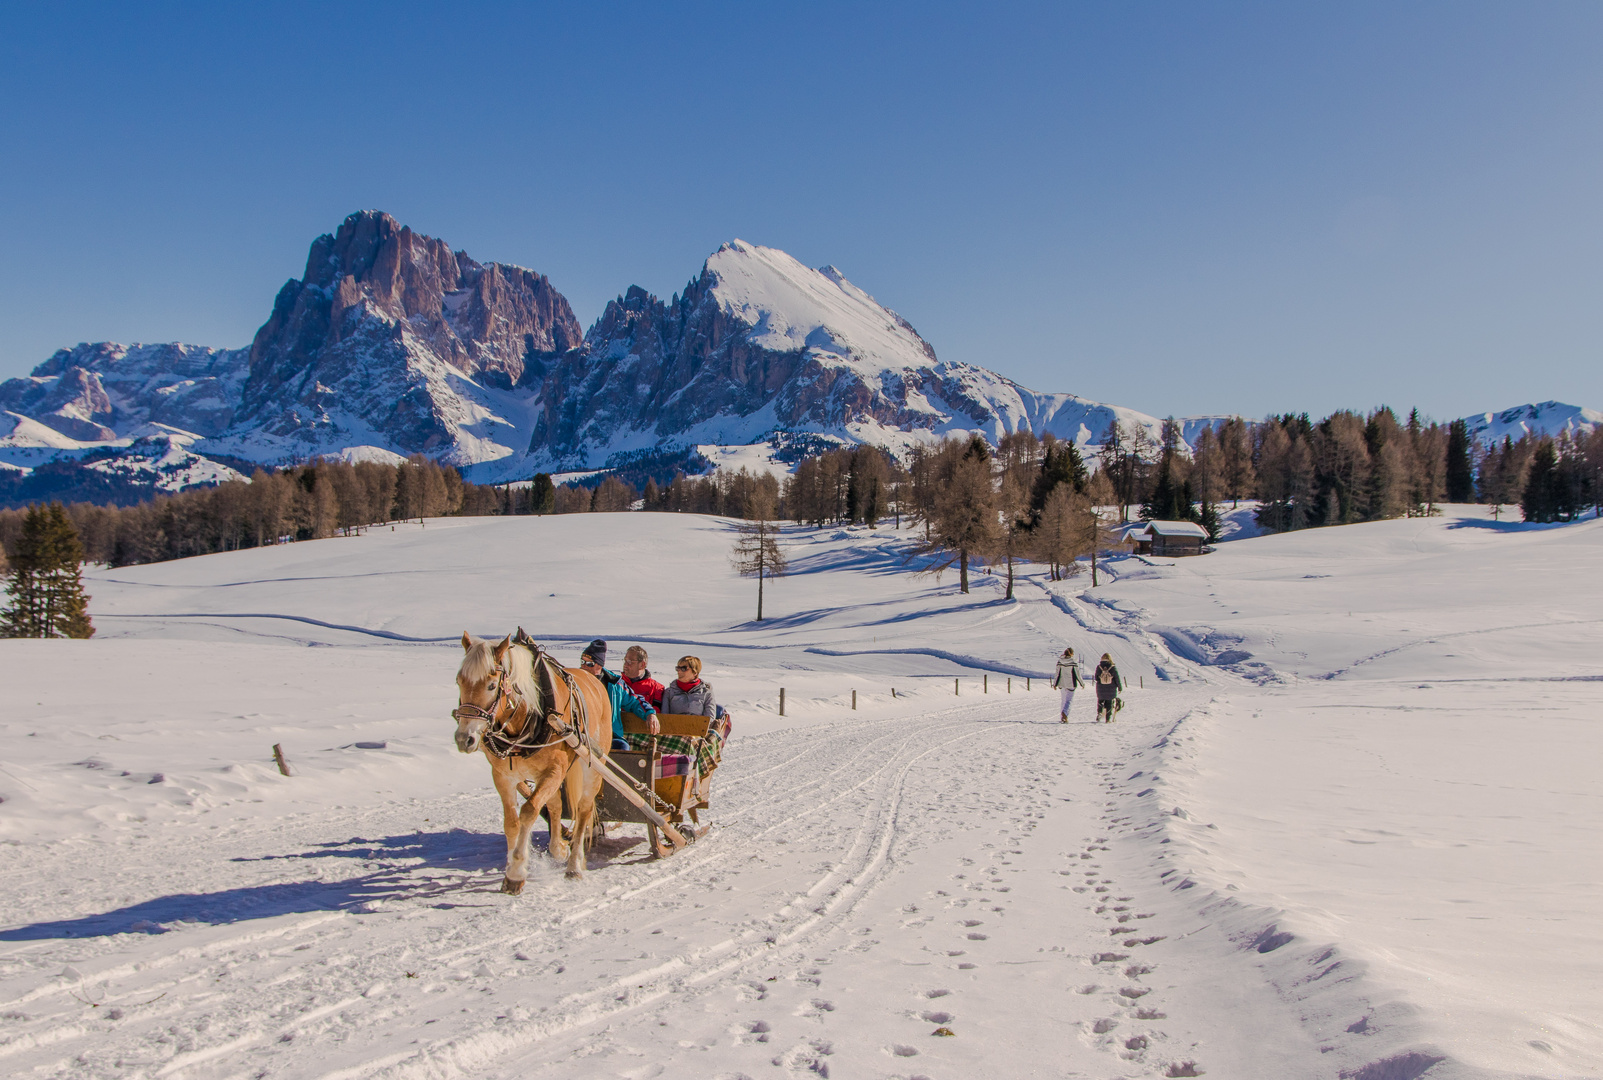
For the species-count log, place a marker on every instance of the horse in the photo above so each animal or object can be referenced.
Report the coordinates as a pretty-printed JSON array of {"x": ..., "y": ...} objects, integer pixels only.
[{"x": 497, "y": 693}]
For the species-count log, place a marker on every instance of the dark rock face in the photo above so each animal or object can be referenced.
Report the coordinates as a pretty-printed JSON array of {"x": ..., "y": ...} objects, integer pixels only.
[{"x": 380, "y": 321}]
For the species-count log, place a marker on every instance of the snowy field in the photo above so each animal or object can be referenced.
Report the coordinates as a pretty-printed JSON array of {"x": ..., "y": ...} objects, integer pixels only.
[{"x": 1344, "y": 828}]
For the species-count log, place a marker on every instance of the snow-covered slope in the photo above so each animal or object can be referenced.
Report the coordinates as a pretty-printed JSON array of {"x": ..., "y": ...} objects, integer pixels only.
[
  {"x": 1341, "y": 829},
  {"x": 789, "y": 306}
]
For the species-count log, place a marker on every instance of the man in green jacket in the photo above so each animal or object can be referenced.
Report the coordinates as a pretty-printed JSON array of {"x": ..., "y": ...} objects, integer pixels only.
[{"x": 593, "y": 660}]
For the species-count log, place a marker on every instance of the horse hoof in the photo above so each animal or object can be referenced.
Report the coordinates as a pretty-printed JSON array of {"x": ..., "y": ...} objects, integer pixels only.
[
  {"x": 511, "y": 887},
  {"x": 576, "y": 874}
]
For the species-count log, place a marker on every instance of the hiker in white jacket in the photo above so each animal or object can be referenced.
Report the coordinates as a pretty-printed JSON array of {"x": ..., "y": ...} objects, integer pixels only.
[{"x": 1067, "y": 680}]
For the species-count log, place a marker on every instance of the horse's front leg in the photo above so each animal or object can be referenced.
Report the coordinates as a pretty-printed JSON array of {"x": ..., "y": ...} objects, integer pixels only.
[{"x": 517, "y": 864}]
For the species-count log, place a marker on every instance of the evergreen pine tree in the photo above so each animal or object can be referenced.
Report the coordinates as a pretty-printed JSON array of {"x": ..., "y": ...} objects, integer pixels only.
[
  {"x": 46, "y": 580},
  {"x": 542, "y": 494},
  {"x": 1161, "y": 505},
  {"x": 1537, "y": 502},
  {"x": 1460, "y": 473},
  {"x": 1061, "y": 464}
]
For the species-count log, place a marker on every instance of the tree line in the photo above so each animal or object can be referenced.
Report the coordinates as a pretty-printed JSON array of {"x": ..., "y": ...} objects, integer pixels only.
[
  {"x": 332, "y": 498},
  {"x": 1349, "y": 467},
  {"x": 1026, "y": 498}
]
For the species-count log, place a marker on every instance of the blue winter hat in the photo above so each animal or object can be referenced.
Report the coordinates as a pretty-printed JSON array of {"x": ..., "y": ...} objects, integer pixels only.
[{"x": 597, "y": 651}]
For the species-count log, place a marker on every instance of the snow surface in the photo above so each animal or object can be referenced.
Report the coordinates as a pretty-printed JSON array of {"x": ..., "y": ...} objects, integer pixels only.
[{"x": 1343, "y": 827}]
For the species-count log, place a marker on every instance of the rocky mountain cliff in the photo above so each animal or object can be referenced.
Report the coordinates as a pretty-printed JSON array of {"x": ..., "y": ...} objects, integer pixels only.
[{"x": 382, "y": 335}]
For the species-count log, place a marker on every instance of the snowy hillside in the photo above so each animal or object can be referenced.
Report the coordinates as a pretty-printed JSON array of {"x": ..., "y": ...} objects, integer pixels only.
[
  {"x": 1548, "y": 418},
  {"x": 758, "y": 344},
  {"x": 1341, "y": 829},
  {"x": 790, "y": 306}
]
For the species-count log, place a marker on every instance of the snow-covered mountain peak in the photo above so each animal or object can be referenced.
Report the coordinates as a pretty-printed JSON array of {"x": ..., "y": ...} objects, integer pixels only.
[
  {"x": 790, "y": 306},
  {"x": 1545, "y": 418}
]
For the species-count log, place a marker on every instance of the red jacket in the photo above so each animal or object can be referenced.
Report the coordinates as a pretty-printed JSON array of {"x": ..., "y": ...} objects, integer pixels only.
[{"x": 646, "y": 687}]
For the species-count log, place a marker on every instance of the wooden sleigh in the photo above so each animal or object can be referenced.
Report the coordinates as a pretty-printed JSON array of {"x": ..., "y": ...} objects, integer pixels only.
[{"x": 678, "y": 794}]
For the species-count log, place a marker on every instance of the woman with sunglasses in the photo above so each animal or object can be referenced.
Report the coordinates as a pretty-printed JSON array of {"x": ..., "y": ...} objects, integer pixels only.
[{"x": 688, "y": 694}]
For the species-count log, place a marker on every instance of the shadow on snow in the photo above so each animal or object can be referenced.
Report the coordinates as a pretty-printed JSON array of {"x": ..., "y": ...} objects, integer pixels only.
[{"x": 461, "y": 853}]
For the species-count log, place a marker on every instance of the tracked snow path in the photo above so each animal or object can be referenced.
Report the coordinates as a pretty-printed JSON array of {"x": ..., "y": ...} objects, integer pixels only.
[{"x": 868, "y": 883}]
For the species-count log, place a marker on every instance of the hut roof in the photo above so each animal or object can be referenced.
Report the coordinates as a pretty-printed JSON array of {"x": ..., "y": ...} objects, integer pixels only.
[{"x": 1177, "y": 528}]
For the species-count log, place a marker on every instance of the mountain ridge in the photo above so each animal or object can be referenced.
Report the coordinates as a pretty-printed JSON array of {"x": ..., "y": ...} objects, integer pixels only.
[{"x": 391, "y": 342}]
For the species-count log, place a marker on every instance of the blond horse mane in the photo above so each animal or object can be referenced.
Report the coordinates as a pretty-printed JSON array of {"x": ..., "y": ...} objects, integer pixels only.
[{"x": 478, "y": 664}]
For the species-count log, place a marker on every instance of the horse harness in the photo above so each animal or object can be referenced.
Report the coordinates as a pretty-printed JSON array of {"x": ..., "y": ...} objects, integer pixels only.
[{"x": 531, "y": 737}]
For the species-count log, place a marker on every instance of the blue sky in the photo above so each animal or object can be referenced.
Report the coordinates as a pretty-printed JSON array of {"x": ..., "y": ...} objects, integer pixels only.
[{"x": 1180, "y": 207}]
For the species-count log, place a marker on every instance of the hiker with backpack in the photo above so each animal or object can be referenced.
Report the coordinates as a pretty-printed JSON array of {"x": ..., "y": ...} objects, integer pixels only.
[
  {"x": 1108, "y": 684},
  {"x": 1067, "y": 680}
]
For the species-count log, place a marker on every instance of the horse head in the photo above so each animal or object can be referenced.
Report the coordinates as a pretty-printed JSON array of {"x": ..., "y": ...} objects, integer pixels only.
[{"x": 480, "y": 690}]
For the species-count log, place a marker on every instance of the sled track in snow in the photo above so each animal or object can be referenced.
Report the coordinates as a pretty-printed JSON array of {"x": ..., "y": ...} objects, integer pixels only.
[
  {"x": 821, "y": 907},
  {"x": 276, "y": 990}
]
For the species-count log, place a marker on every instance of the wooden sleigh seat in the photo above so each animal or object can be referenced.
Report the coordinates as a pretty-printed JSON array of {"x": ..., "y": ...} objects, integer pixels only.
[
  {"x": 675, "y": 778},
  {"x": 681, "y": 785}
]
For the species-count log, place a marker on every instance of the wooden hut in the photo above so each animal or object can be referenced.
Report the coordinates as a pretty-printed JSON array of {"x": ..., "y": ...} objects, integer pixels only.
[{"x": 1170, "y": 538}]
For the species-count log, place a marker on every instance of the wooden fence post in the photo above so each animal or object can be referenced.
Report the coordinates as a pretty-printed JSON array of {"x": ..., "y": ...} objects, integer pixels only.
[
  {"x": 781, "y": 701},
  {"x": 985, "y": 682},
  {"x": 955, "y": 690},
  {"x": 854, "y": 700},
  {"x": 278, "y": 756}
]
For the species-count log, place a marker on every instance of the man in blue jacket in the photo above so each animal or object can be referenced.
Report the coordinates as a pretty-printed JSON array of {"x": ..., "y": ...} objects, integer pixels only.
[{"x": 593, "y": 660}]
